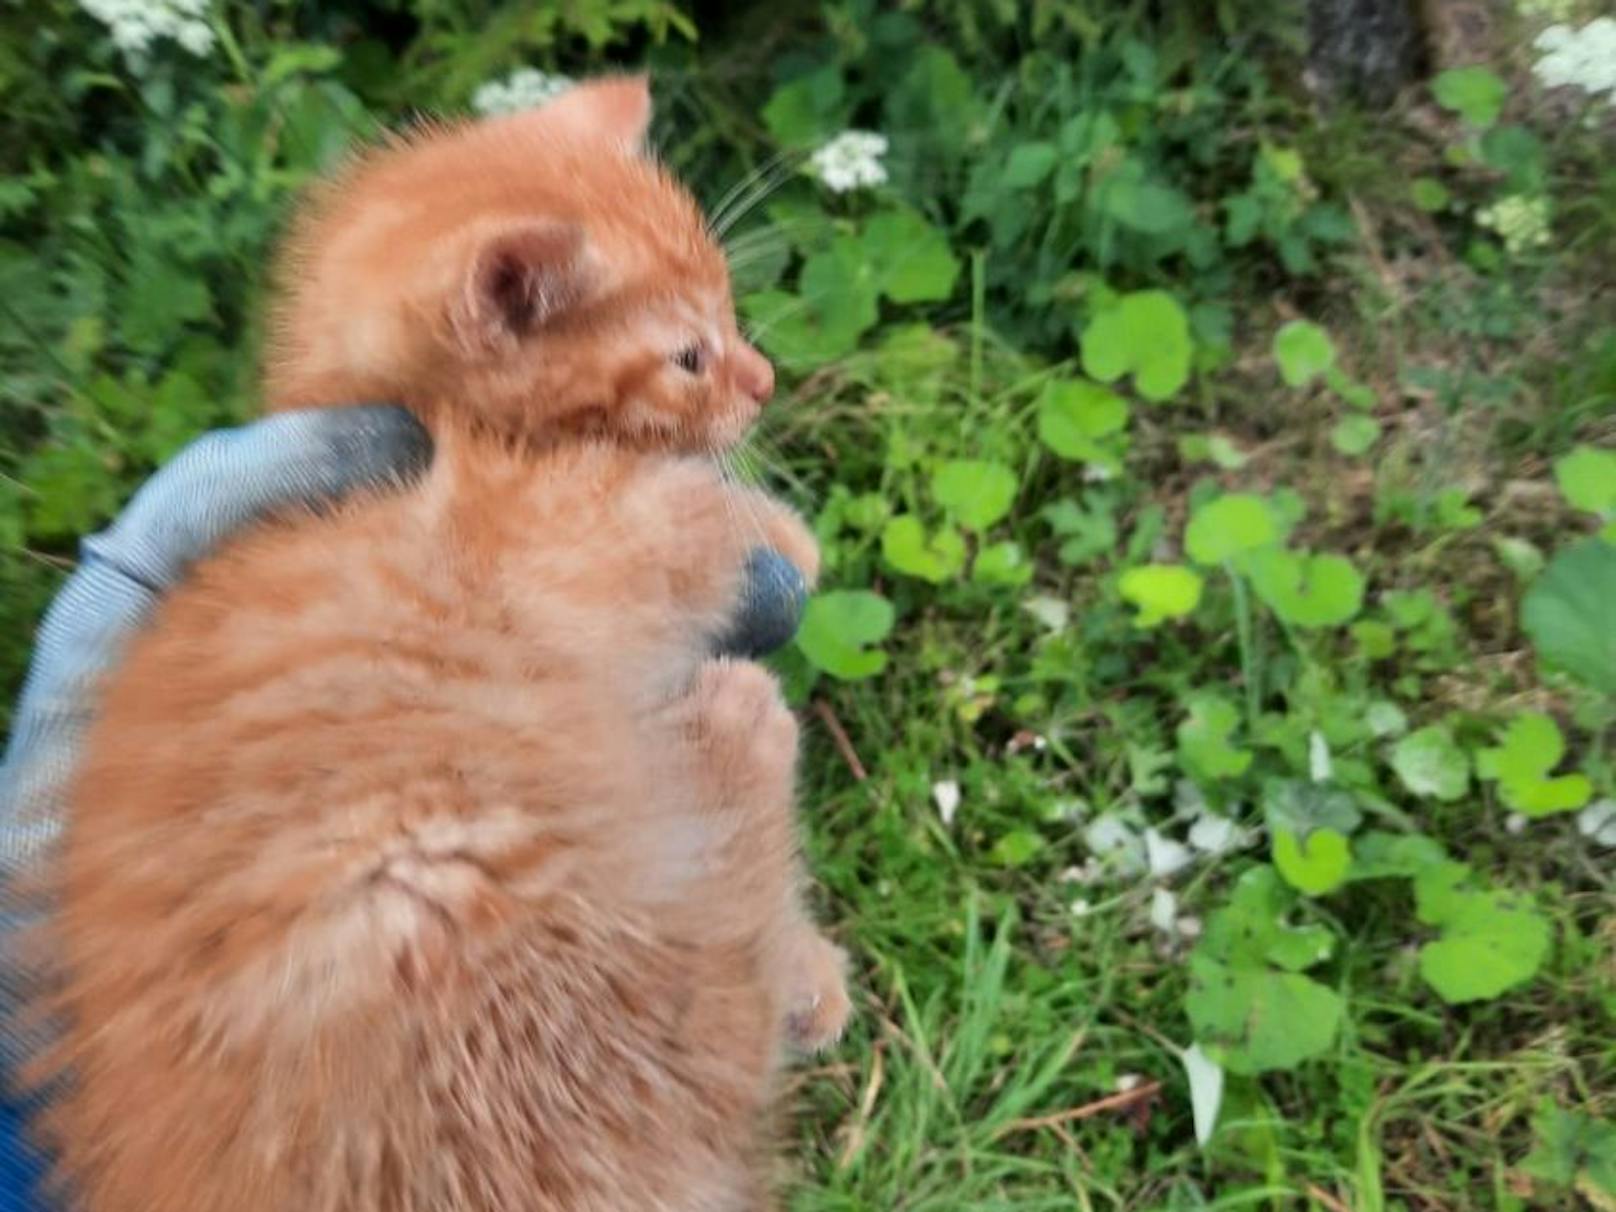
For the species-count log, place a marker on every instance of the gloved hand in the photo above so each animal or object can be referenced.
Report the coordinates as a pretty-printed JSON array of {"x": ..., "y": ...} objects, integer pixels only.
[{"x": 217, "y": 485}]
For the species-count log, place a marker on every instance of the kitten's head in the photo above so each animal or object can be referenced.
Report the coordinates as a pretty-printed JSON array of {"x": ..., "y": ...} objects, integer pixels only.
[{"x": 536, "y": 273}]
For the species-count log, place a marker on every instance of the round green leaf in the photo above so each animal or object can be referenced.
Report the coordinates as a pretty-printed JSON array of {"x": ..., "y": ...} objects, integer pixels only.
[
  {"x": 1431, "y": 765},
  {"x": 909, "y": 259},
  {"x": 1147, "y": 333},
  {"x": 1307, "y": 590},
  {"x": 1529, "y": 749},
  {"x": 1429, "y": 194},
  {"x": 1490, "y": 941},
  {"x": 1002, "y": 564},
  {"x": 1316, "y": 864},
  {"x": 1029, "y": 165},
  {"x": 1587, "y": 477},
  {"x": 1229, "y": 526},
  {"x": 935, "y": 558},
  {"x": 975, "y": 493},
  {"x": 1304, "y": 351},
  {"x": 837, "y": 629},
  {"x": 1161, "y": 591},
  {"x": 1355, "y": 434},
  {"x": 1075, "y": 417},
  {"x": 1567, "y": 613},
  {"x": 1476, "y": 94},
  {"x": 1203, "y": 740}
]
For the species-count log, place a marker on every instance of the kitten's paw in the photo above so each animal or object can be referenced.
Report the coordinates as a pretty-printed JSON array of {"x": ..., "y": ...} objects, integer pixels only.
[
  {"x": 819, "y": 1006},
  {"x": 741, "y": 715}
]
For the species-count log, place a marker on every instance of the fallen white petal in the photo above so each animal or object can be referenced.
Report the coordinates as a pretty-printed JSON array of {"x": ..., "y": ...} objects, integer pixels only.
[
  {"x": 1598, "y": 822},
  {"x": 1189, "y": 927},
  {"x": 1214, "y": 834},
  {"x": 1164, "y": 855},
  {"x": 1128, "y": 1081},
  {"x": 1112, "y": 838},
  {"x": 946, "y": 795},
  {"x": 1206, "y": 1090},
  {"x": 1318, "y": 757},
  {"x": 1163, "y": 910}
]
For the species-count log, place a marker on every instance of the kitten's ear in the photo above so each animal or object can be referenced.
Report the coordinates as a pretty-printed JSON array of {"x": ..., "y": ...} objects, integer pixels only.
[
  {"x": 616, "y": 108},
  {"x": 516, "y": 280}
]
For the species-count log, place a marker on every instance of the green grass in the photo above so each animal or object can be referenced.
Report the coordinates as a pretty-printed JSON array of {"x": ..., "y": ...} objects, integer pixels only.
[{"x": 1020, "y": 1018}]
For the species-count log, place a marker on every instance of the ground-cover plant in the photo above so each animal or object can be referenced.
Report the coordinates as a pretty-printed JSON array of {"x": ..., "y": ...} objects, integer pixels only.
[{"x": 1211, "y": 691}]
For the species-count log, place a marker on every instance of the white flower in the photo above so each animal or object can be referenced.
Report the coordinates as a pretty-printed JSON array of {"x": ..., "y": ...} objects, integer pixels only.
[
  {"x": 1598, "y": 822},
  {"x": 852, "y": 160},
  {"x": 1582, "y": 58},
  {"x": 136, "y": 24},
  {"x": 946, "y": 795},
  {"x": 1521, "y": 221},
  {"x": 525, "y": 88},
  {"x": 1164, "y": 911}
]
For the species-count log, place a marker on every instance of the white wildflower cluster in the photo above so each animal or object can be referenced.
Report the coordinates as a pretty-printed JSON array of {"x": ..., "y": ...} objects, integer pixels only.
[
  {"x": 1579, "y": 58},
  {"x": 1521, "y": 221},
  {"x": 136, "y": 24},
  {"x": 525, "y": 88},
  {"x": 852, "y": 160}
]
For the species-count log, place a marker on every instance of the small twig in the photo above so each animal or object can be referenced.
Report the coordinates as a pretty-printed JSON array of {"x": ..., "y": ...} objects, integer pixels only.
[
  {"x": 838, "y": 736},
  {"x": 866, "y": 1108},
  {"x": 1320, "y": 1195},
  {"x": 1111, "y": 1102}
]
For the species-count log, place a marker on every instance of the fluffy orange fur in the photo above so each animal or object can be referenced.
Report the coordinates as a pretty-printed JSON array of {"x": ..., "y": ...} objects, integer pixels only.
[{"x": 421, "y": 861}]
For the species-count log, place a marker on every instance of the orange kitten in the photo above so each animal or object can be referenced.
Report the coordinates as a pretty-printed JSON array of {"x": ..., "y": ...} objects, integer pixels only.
[{"x": 420, "y": 860}]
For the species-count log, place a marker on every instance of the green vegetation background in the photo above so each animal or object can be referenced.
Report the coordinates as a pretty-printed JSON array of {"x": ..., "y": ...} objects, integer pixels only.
[{"x": 1217, "y": 645}]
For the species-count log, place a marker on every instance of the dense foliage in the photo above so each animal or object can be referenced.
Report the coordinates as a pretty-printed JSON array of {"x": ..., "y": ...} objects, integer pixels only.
[{"x": 1213, "y": 683}]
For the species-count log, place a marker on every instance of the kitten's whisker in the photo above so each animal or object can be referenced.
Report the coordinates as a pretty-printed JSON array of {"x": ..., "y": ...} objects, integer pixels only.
[
  {"x": 756, "y": 197},
  {"x": 716, "y": 214}
]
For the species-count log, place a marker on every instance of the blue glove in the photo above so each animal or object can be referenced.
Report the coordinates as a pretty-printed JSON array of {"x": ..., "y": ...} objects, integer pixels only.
[{"x": 222, "y": 482}]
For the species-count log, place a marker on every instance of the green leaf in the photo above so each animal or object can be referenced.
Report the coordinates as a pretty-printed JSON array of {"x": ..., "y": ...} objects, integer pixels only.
[
  {"x": 72, "y": 490},
  {"x": 1519, "y": 155},
  {"x": 1429, "y": 194},
  {"x": 907, "y": 547},
  {"x": 1248, "y": 1002},
  {"x": 975, "y": 493},
  {"x": 909, "y": 260},
  {"x": 1146, "y": 206},
  {"x": 1146, "y": 334},
  {"x": 1354, "y": 435},
  {"x": 1307, "y": 590},
  {"x": 1161, "y": 591},
  {"x": 1316, "y": 864},
  {"x": 1571, "y": 1148},
  {"x": 1476, "y": 94},
  {"x": 1002, "y": 564},
  {"x": 1086, "y": 531},
  {"x": 837, "y": 629},
  {"x": 1490, "y": 941},
  {"x": 1378, "y": 856},
  {"x": 1587, "y": 479},
  {"x": 806, "y": 110},
  {"x": 1076, "y": 417},
  {"x": 1431, "y": 765},
  {"x": 1016, "y": 848},
  {"x": 1530, "y": 747},
  {"x": 1029, "y": 165},
  {"x": 1567, "y": 613},
  {"x": 1304, "y": 351},
  {"x": 1203, "y": 740},
  {"x": 1228, "y": 526}
]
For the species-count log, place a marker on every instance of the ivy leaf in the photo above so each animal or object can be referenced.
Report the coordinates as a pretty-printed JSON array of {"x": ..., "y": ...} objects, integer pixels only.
[
  {"x": 1570, "y": 1147},
  {"x": 1587, "y": 479},
  {"x": 1088, "y": 531},
  {"x": 1074, "y": 419},
  {"x": 1316, "y": 864},
  {"x": 1476, "y": 94},
  {"x": 1531, "y": 747},
  {"x": 1229, "y": 526},
  {"x": 837, "y": 629},
  {"x": 911, "y": 260},
  {"x": 1567, "y": 613},
  {"x": 1431, "y": 766},
  {"x": 1146, "y": 334},
  {"x": 907, "y": 548},
  {"x": 1307, "y": 590},
  {"x": 1161, "y": 591},
  {"x": 1203, "y": 740},
  {"x": 1304, "y": 351},
  {"x": 1002, "y": 564},
  {"x": 1305, "y": 807},
  {"x": 1377, "y": 855},
  {"x": 1249, "y": 1004},
  {"x": 975, "y": 493},
  {"x": 1490, "y": 942}
]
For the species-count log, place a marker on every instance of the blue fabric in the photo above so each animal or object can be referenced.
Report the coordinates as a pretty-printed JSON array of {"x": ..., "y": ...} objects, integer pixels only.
[{"x": 217, "y": 485}]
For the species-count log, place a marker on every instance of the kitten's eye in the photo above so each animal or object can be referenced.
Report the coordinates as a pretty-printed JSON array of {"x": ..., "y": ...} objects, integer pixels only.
[{"x": 692, "y": 359}]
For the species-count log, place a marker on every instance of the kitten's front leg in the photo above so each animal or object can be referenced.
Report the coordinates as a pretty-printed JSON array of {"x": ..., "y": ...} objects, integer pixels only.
[{"x": 745, "y": 740}]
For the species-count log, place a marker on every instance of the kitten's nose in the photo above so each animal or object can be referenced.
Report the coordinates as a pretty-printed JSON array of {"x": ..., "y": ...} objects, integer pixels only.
[{"x": 754, "y": 374}]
